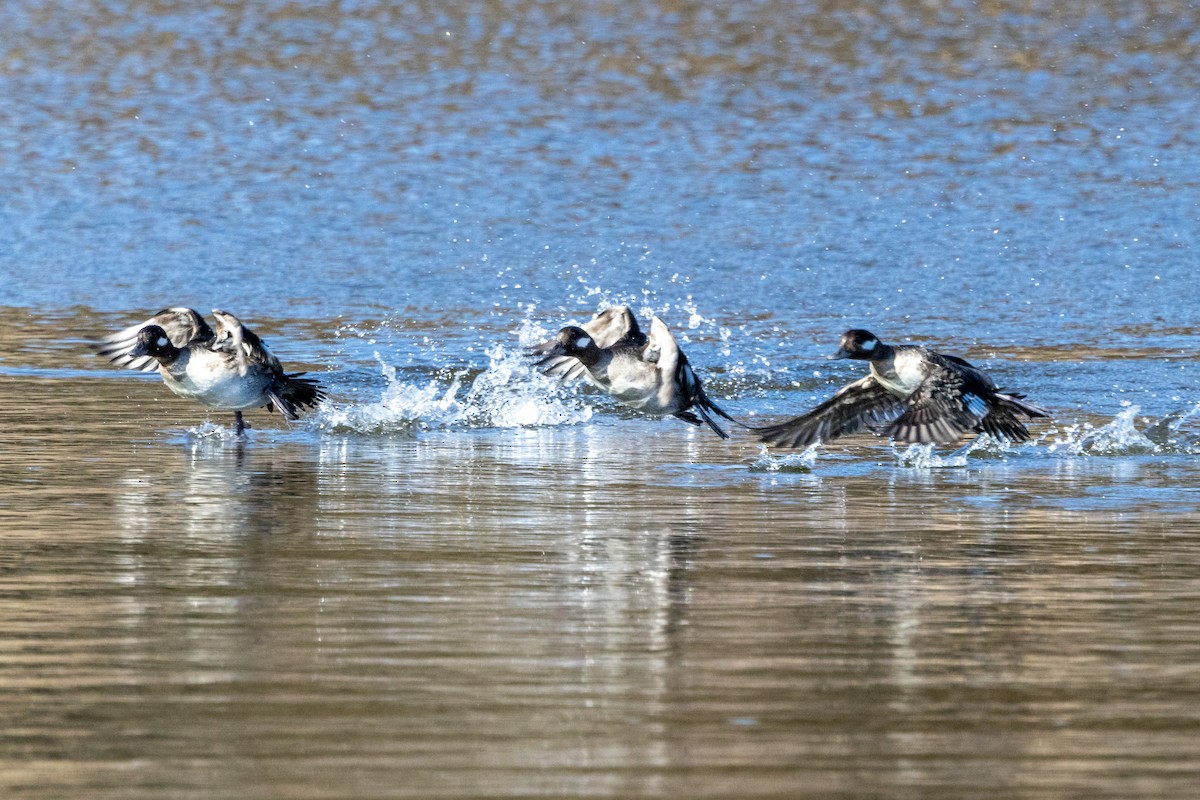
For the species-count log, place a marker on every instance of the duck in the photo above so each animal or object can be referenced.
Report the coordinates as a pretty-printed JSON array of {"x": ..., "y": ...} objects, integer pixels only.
[
  {"x": 912, "y": 394},
  {"x": 647, "y": 373},
  {"x": 226, "y": 368},
  {"x": 611, "y": 327}
]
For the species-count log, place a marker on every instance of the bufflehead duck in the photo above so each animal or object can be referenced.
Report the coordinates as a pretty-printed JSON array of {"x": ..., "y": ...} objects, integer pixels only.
[
  {"x": 229, "y": 369},
  {"x": 653, "y": 377},
  {"x": 611, "y": 327},
  {"x": 912, "y": 394}
]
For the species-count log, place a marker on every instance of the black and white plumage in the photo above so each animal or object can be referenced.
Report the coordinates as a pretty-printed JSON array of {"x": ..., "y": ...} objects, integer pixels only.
[
  {"x": 913, "y": 395},
  {"x": 228, "y": 369},
  {"x": 612, "y": 327},
  {"x": 652, "y": 376}
]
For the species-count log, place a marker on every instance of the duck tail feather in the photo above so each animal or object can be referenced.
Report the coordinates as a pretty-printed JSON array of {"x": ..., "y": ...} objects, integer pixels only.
[
  {"x": 704, "y": 408},
  {"x": 280, "y": 404}
]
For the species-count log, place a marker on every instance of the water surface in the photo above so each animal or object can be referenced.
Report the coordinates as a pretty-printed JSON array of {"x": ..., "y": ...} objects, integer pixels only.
[{"x": 460, "y": 579}]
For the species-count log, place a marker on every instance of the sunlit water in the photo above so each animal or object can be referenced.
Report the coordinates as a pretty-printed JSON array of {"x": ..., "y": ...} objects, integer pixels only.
[{"x": 459, "y": 578}]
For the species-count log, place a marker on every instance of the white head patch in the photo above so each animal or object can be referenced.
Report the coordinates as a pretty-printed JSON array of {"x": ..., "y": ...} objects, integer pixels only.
[
  {"x": 162, "y": 341},
  {"x": 869, "y": 345},
  {"x": 583, "y": 342}
]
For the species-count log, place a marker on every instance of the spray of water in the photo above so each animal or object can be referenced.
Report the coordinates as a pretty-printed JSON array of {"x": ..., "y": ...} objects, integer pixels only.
[{"x": 509, "y": 393}]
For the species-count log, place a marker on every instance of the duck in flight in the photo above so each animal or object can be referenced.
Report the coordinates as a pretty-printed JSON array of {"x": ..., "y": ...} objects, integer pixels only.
[
  {"x": 647, "y": 373},
  {"x": 911, "y": 394},
  {"x": 228, "y": 369},
  {"x": 612, "y": 327}
]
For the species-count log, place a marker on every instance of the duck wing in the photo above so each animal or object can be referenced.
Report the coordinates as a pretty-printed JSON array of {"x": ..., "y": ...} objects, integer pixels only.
[
  {"x": 183, "y": 326},
  {"x": 857, "y": 406},
  {"x": 243, "y": 344},
  {"x": 615, "y": 326},
  {"x": 952, "y": 400},
  {"x": 287, "y": 392},
  {"x": 612, "y": 327},
  {"x": 663, "y": 351},
  {"x": 1001, "y": 421}
]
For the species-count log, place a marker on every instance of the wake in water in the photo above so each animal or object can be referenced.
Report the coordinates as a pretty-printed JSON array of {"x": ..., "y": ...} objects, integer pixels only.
[{"x": 1121, "y": 437}]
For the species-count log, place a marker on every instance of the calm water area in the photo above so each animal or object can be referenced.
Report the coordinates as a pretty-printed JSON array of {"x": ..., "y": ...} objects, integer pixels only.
[{"x": 461, "y": 579}]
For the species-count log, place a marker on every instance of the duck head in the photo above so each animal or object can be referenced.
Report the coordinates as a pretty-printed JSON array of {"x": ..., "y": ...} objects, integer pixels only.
[
  {"x": 861, "y": 345},
  {"x": 153, "y": 341},
  {"x": 577, "y": 343}
]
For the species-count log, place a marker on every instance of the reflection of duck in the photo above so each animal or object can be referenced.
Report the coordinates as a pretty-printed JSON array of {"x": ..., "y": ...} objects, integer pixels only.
[
  {"x": 229, "y": 369},
  {"x": 912, "y": 394},
  {"x": 652, "y": 376}
]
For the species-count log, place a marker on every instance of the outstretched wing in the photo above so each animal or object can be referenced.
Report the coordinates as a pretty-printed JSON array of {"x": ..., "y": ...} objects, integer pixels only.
[
  {"x": 183, "y": 327},
  {"x": 661, "y": 348},
  {"x": 615, "y": 326},
  {"x": 861, "y": 404}
]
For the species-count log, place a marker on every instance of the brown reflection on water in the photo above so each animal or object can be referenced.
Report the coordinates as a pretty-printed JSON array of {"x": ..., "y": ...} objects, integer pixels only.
[{"x": 617, "y": 608}]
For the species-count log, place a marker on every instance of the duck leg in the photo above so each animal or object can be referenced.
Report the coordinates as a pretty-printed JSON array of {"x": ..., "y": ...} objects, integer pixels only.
[{"x": 241, "y": 423}]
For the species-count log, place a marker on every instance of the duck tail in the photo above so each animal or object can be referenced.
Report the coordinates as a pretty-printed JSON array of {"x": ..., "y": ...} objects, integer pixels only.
[
  {"x": 295, "y": 391},
  {"x": 704, "y": 418},
  {"x": 281, "y": 404},
  {"x": 706, "y": 408}
]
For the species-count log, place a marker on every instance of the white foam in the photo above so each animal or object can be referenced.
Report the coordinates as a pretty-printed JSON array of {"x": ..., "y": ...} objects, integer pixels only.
[
  {"x": 925, "y": 456},
  {"x": 508, "y": 394},
  {"x": 1119, "y": 437},
  {"x": 803, "y": 461},
  {"x": 922, "y": 456}
]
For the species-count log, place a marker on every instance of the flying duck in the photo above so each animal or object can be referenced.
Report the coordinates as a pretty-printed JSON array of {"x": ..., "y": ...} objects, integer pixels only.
[
  {"x": 650, "y": 374},
  {"x": 912, "y": 394},
  {"x": 228, "y": 369}
]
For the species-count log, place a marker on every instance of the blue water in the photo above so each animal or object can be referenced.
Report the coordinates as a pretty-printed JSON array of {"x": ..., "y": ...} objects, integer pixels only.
[{"x": 1025, "y": 179}]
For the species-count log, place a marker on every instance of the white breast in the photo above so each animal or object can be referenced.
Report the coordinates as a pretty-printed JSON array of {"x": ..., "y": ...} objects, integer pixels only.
[
  {"x": 908, "y": 372},
  {"x": 208, "y": 378},
  {"x": 641, "y": 386}
]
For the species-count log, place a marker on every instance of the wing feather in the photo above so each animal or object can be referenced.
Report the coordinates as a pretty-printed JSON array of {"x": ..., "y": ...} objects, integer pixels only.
[
  {"x": 862, "y": 404},
  {"x": 948, "y": 404},
  {"x": 183, "y": 326},
  {"x": 612, "y": 327}
]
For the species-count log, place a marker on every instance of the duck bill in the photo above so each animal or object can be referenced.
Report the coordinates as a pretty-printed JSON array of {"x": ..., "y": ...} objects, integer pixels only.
[
  {"x": 840, "y": 354},
  {"x": 138, "y": 350}
]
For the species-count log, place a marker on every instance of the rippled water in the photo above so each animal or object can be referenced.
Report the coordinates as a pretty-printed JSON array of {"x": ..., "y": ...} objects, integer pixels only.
[{"x": 460, "y": 579}]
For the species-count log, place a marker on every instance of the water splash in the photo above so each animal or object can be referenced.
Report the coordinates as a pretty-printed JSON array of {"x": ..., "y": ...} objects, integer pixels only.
[
  {"x": 509, "y": 393},
  {"x": 212, "y": 432},
  {"x": 1119, "y": 437},
  {"x": 1168, "y": 433},
  {"x": 923, "y": 456},
  {"x": 803, "y": 461}
]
